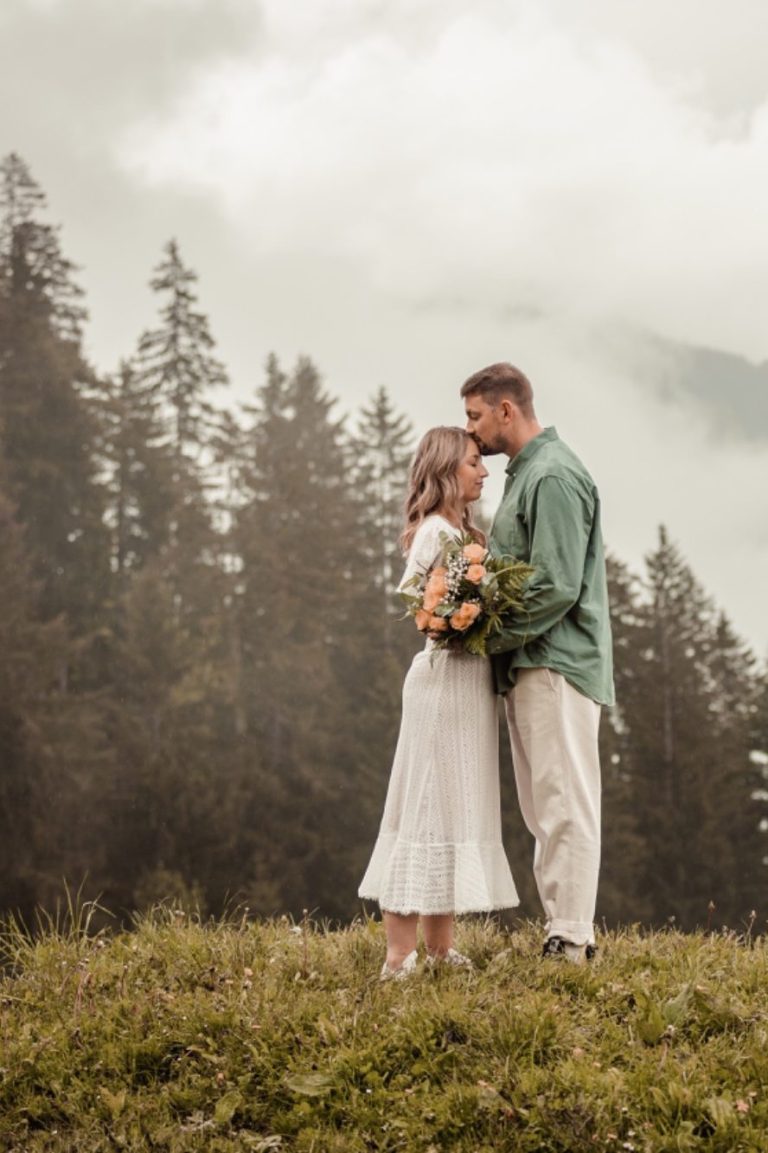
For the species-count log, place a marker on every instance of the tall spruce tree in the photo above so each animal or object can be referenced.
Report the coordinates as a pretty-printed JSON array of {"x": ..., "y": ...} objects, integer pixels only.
[
  {"x": 175, "y": 373},
  {"x": 296, "y": 538},
  {"x": 621, "y": 897},
  {"x": 382, "y": 446},
  {"x": 298, "y": 607},
  {"x": 48, "y": 433},
  {"x": 735, "y": 707},
  {"x": 689, "y": 718},
  {"x": 172, "y": 715},
  {"x": 50, "y": 473},
  {"x": 139, "y": 469},
  {"x": 382, "y": 643},
  {"x": 176, "y": 362}
]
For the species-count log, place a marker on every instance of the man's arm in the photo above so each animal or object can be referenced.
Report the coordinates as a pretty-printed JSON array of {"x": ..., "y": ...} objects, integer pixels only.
[{"x": 559, "y": 526}]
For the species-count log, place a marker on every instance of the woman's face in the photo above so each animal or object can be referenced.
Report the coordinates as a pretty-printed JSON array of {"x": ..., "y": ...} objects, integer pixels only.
[{"x": 471, "y": 473}]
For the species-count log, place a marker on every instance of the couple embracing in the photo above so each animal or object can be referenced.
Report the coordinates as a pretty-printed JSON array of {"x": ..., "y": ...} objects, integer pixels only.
[{"x": 439, "y": 851}]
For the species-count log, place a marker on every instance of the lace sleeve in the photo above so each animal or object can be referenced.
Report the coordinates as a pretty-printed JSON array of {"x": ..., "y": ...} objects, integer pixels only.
[{"x": 425, "y": 548}]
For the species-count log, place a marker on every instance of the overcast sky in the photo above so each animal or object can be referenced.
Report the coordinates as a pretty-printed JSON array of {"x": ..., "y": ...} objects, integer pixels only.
[{"x": 406, "y": 190}]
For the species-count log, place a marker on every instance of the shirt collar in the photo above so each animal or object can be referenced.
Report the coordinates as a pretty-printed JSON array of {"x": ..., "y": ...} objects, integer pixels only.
[{"x": 531, "y": 448}]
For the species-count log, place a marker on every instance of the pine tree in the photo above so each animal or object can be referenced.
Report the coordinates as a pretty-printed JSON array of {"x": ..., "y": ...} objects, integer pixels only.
[
  {"x": 176, "y": 364},
  {"x": 735, "y": 692},
  {"x": 689, "y": 751},
  {"x": 139, "y": 470},
  {"x": 32, "y": 266},
  {"x": 171, "y": 715},
  {"x": 296, "y": 537},
  {"x": 382, "y": 644},
  {"x": 298, "y": 603},
  {"x": 382, "y": 446},
  {"x": 174, "y": 374},
  {"x": 621, "y": 898},
  {"x": 48, "y": 434},
  {"x": 49, "y": 471}
]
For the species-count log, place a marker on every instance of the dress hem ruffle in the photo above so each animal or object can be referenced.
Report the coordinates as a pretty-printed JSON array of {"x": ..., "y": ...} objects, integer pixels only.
[{"x": 435, "y": 879}]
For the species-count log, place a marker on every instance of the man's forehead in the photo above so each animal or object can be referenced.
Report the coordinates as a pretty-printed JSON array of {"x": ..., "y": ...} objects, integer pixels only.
[{"x": 475, "y": 401}]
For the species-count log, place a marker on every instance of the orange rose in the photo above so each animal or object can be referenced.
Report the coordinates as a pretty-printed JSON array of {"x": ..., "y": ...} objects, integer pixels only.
[
  {"x": 422, "y": 619},
  {"x": 475, "y": 553},
  {"x": 475, "y": 573},
  {"x": 438, "y": 624},
  {"x": 435, "y": 589},
  {"x": 464, "y": 616},
  {"x": 431, "y": 600}
]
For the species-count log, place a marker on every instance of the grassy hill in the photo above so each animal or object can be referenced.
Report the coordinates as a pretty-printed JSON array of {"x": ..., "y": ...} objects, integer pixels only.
[{"x": 278, "y": 1036}]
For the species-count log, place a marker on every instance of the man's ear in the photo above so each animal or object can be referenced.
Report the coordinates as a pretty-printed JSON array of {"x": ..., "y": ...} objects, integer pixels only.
[{"x": 507, "y": 409}]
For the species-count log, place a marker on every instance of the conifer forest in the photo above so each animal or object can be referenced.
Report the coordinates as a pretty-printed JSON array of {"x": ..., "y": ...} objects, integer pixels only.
[{"x": 201, "y": 651}]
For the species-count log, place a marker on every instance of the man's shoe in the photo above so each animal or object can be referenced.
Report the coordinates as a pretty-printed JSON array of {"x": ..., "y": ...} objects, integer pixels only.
[
  {"x": 558, "y": 949},
  {"x": 406, "y": 969},
  {"x": 452, "y": 957}
]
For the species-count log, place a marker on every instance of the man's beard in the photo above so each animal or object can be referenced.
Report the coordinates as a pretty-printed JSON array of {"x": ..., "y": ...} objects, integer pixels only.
[{"x": 488, "y": 449}]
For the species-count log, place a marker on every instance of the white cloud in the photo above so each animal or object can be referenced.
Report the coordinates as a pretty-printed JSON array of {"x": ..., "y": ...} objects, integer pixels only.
[
  {"x": 716, "y": 48},
  {"x": 501, "y": 160}
]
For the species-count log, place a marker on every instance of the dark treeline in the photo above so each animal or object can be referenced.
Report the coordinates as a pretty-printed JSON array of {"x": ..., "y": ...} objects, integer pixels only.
[{"x": 200, "y": 651}]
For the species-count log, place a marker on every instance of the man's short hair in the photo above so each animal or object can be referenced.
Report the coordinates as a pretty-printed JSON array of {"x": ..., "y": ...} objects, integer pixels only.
[{"x": 499, "y": 381}]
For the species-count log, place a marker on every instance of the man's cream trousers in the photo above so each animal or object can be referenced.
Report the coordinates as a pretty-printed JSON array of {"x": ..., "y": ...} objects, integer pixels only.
[{"x": 553, "y": 729}]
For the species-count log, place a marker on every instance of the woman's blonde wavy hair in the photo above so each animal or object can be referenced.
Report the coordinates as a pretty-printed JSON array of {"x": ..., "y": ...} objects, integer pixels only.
[{"x": 433, "y": 485}]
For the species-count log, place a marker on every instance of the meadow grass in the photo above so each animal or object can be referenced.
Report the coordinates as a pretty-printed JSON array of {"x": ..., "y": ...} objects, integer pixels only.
[{"x": 247, "y": 1035}]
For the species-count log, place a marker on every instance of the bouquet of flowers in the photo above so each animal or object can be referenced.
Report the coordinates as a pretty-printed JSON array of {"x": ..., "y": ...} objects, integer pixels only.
[{"x": 467, "y": 596}]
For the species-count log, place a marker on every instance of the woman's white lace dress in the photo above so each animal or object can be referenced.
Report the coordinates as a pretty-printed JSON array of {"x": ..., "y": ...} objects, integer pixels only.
[{"x": 439, "y": 846}]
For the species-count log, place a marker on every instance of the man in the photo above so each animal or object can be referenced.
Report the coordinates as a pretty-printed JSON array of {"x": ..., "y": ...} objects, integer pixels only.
[{"x": 555, "y": 668}]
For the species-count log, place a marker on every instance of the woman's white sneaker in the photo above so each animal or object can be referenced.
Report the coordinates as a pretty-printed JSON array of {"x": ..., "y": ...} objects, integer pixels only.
[
  {"x": 452, "y": 957},
  {"x": 406, "y": 969}
]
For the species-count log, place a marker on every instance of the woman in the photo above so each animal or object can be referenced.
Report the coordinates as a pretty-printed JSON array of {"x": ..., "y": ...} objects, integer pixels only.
[{"x": 439, "y": 849}]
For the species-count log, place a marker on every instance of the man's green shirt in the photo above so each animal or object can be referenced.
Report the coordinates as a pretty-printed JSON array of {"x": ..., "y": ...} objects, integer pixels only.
[{"x": 549, "y": 517}]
